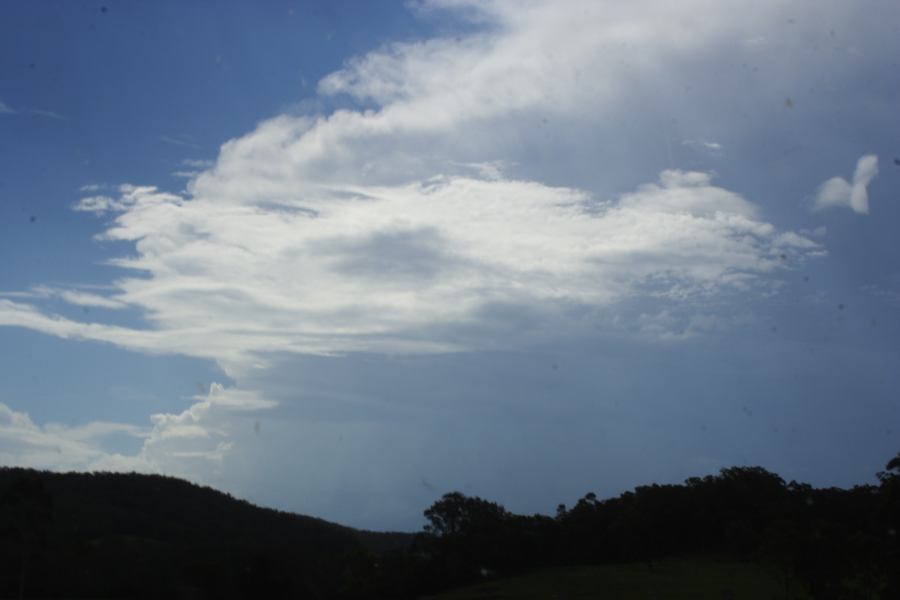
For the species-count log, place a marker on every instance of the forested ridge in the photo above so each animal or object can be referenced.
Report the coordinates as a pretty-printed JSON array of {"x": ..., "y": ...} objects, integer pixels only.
[{"x": 130, "y": 535}]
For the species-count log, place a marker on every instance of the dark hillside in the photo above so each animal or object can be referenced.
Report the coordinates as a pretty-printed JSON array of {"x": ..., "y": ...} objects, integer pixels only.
[{"x": 106, "y": 534}]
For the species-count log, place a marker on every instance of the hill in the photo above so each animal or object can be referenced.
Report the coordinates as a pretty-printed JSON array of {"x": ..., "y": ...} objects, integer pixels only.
[{"x": 131, "y": 535}]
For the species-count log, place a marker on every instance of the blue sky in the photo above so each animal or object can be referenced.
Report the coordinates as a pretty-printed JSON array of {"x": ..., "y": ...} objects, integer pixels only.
[{"x": 341, "y": 259}]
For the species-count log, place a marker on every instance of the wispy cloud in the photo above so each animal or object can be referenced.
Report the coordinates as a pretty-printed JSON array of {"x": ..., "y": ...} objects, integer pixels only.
[
  {"x": 197, "y": 163},
  {"x": 197, "y": 166},
  {"x": 79, "y": 298},
  {"x": 47, "y": 113},
  {"x": 71, "y": 295},
  {"x": 50, "y": 114},
  {"x": 184, "y": 141}
]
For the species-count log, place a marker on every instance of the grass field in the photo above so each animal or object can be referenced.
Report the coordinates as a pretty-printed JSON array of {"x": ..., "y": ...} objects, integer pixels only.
[{"x": 671, "y": 579}]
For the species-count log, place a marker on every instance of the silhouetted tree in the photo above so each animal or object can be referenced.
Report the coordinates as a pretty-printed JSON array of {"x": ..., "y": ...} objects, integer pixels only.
[{"x": 889, "y": 513}]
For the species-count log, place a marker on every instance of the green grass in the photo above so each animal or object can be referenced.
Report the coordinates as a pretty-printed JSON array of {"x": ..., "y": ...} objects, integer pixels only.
[{"x": 671, "y": 579}]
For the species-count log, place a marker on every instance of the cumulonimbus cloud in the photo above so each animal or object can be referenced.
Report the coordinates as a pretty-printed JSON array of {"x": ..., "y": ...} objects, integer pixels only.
[{"x": 393, "y": 228}]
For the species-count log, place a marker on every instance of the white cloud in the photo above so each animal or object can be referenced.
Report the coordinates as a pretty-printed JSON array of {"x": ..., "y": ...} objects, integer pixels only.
[
  {"x": 837, "y": 192},
  {"x": 5, "y": 108},
  {"x": 194, "y": 443},
  {"x": 375, "y": 268},
  {"x": 185, "y": 444},
  {"x": 58, "y": 447}
]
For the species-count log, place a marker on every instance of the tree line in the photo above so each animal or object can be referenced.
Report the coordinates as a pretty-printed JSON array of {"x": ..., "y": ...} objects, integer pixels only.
[{"x": 832, "y": 543}]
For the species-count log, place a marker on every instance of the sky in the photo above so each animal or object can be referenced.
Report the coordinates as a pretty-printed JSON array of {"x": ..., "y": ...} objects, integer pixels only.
[{"x": 341, "y": 258}]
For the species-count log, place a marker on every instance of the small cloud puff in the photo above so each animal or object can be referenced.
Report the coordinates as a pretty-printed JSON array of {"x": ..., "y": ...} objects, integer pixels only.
[
  {"x": 98, "y": 204},
  {"x": 711, "y": 148},
  {"x": 837, "y": 191}
]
